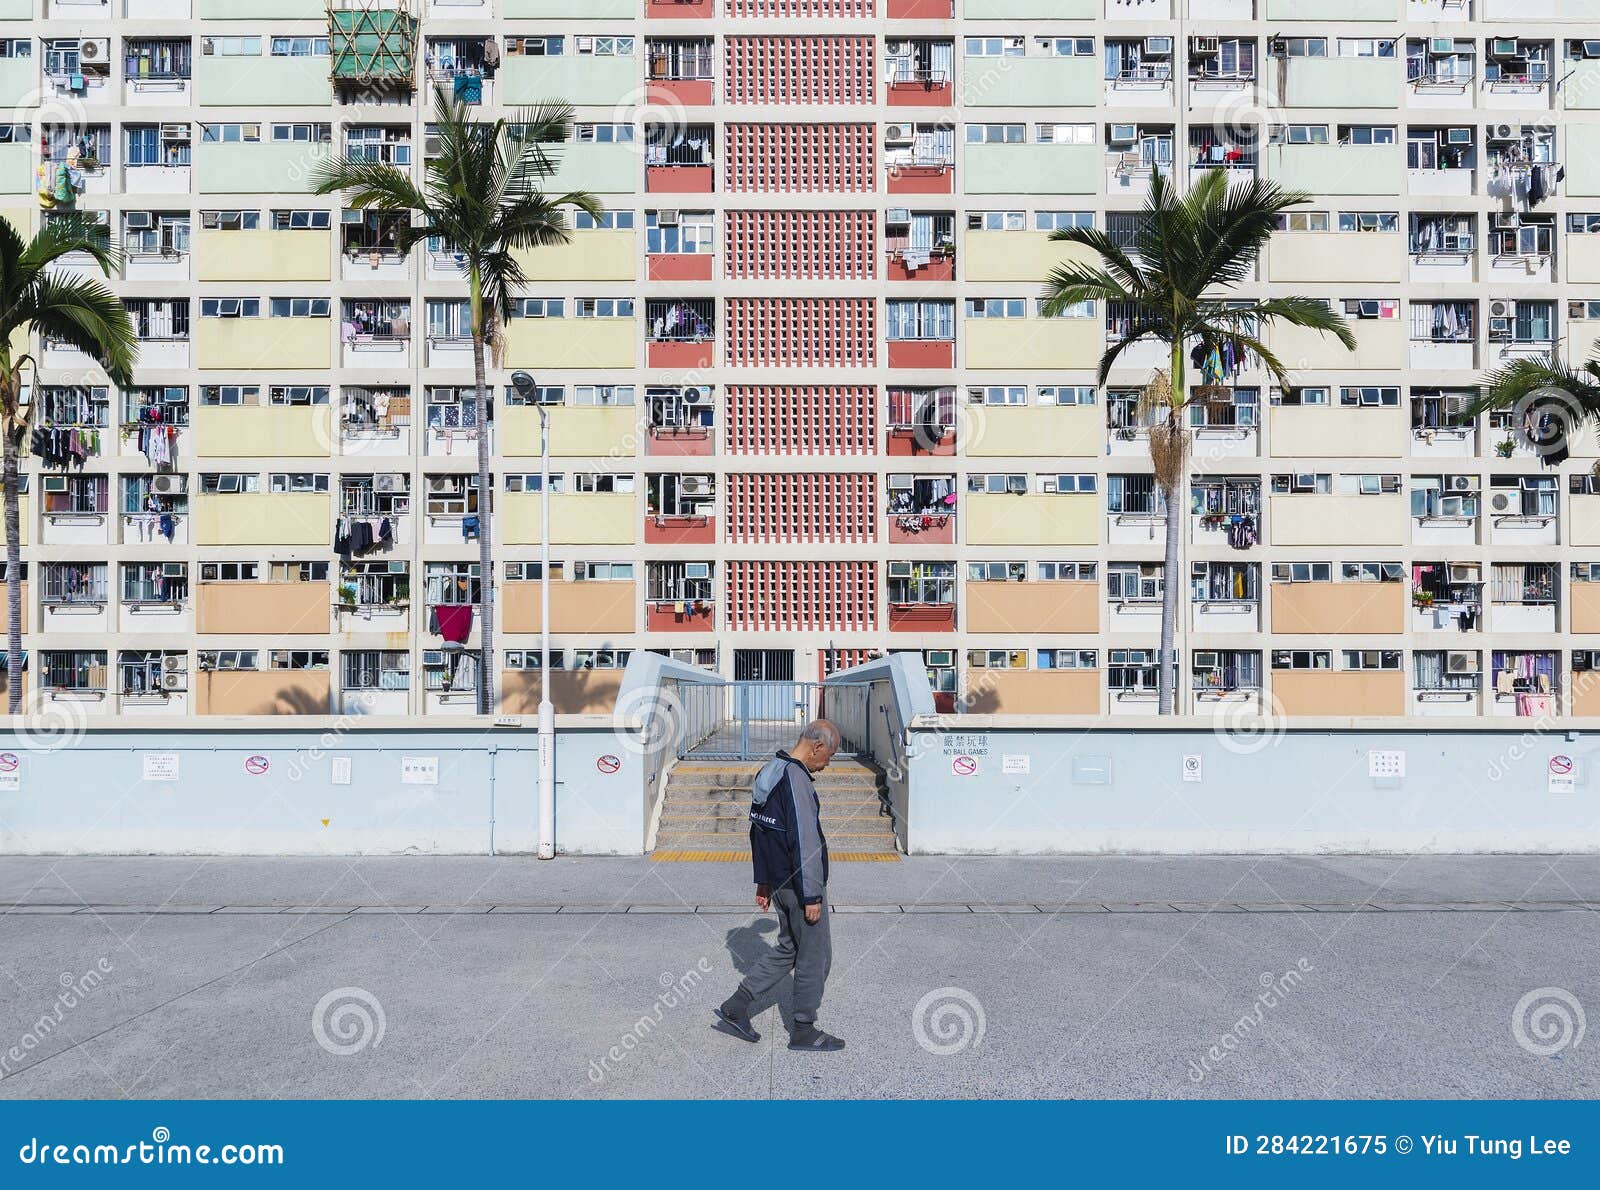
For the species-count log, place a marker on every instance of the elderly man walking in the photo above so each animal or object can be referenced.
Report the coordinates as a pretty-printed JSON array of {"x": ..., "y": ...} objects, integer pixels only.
[{"x": 791, "y": 873}]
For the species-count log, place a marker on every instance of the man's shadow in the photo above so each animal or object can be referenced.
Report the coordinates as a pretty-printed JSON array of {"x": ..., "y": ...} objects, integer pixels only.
[{"x": 746, "y": 947}]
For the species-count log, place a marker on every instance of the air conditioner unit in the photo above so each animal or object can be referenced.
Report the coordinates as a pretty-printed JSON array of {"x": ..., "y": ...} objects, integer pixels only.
[
  {"x": 898, "y": 215},
  {"x": 1197, "y": 569},
  {"x": 1463, "y": 572},
  {"x": 585, "y": 45},
  {"x": 1461, "y": 662},
  {"x": 1503, "y": 132},
  {"x": 667, "y": 218},
  {"x": 696, "y": 397},
  {"x": 1207, "y": 45},
  {"x": 1441, "y": 45},
  {"x": 695, "y": 485},
  {"x": 1278, "y": 46},
  {"x": 1462, "y": 483},
  {"x": 175, "y": 663},
  {"x": 1158, "y": 46},
  {"x": 94, "y": 49},
  {"x": 432, "y": 144},
  {"x": 175, "y": 132},
  {"x": 386, "y": 484},
  {"x": 1500, "y": 501},
  {"x": 55, "y": 483},
  {"x": 897, "y": 132},
  {"x": 1123, "y": 134},
  {"x": 1458, "y": 136},
  {"x": 1206, "y": 660},
  {"x": 172, "y": 681},
  {"x": 899, "y": 569},
  {"x": 1505, "y": 220},
  {"x": 1500, "y": 309},
  {"x": 1503, "y": 47},
  {"x": 172, "y": 570},
  {"x": 137, "y": 220},
  {"x": 433, "y": 657},
  {"x": 397, "y": 567},
  {"x": 940, "y": 658},
  {"x": 168, "y": 485},
  {"x": 441, "y": 484},
  {"x": 697, "y": 570}
]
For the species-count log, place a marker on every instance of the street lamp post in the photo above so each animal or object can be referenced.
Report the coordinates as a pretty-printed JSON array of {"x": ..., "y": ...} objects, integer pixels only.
[{"x": 524, "y": 384}]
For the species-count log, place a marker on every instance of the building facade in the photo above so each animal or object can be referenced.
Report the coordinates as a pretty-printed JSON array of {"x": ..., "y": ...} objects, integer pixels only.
[{"x": 804, "y": 408}]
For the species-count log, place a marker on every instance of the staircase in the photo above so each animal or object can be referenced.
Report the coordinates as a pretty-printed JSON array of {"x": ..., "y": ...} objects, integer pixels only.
[{"x": 705, "y": 812}]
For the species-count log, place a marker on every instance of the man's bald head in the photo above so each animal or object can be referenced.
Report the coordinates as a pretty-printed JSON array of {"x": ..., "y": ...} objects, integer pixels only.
[{"x": 818, "y": 742}]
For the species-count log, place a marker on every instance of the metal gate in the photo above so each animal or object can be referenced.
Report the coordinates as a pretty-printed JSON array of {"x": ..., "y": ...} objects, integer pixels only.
[{"x": 752, "y": 720}]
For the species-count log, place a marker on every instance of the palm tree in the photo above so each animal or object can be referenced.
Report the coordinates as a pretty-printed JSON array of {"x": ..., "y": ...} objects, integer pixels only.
[
  {"x": 1173, "y": 280},
  {"x": 1553, "y": 397},
  {"x": 77, "y": 311},
  {"x": 482, "y": 196}
]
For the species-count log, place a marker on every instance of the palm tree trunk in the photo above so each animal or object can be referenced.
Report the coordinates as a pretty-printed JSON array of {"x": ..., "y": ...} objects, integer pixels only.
[
  {"x": 480, "y": 402},
  {"x": 13, "y": 575},
  {"x": 1171, "y": 585}
]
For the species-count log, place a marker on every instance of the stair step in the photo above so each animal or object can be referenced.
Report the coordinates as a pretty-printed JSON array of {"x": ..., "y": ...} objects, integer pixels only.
[
  {"x": 727, "y": 822},
  {"x": 741, "y": 797},
  {"x": 711, "y": 840}
]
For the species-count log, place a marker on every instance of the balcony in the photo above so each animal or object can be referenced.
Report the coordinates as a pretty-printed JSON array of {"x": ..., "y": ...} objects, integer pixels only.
[
  {"x": 253, "y": 343},
  {"x": 263, "y": 518},
  {"x": 1031, "y": 607},
  {"x": 1042, "y": 343},
  {"x": 1338, "y": 609},
  {"x": 909, "y": 264},
  {"x": 584, "y": 606},
  {"x": 572, "y": 692},
  {"x": 270, "y": 81},
  {"x": 657, "y": 10},
  {"x": 924, "y": 354},
  {"x": 1033, "y": 692},
  {"x": 922, "y": 617},
  {"x": 264, "y": 692},
  {"x": 600, "y": 432},
  {"x": 1031, "y": 82},
  {"x": 996, "y": 431},
  {"x": 934, "y": 525},
  {"x": 597, "y": 168},
  {"x": 258, "y": 168},
  {"x": 1338, "y": 169},
  {"x": 588, "y": 255},
  {"x": 1330, "y": 431},
  {"x": 1031, "y": 169},
  {"x": 584, "y": 80},
  {"x": 1341, "y": 82},
  {"x": 680, "y": 528},
  {"x": 681, "y": 335},
  {"x": 1381, "y": 344},
  {"x": 576, "y": 518},
  {"x": 561, "y": 343},
  {"x": 1032, "y": 519},
  {"x": 264, "y": 256},
  {"x": 680, "y": 615},
  {"x": 1315, "y": 257},
  {"x": 1324, "y": 693},
  {"x": 1337, "y": 519},
  {"x": 277, "y": 609}
]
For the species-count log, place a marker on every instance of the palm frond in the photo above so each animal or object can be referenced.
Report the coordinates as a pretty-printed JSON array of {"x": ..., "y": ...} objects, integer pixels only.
[
  {"x": 1514, "y": 382},
  {"x": 84, "y": 314}
]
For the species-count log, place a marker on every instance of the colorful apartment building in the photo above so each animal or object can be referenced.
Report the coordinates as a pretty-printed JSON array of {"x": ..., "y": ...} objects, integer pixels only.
[{"x": 804, "y": 408}]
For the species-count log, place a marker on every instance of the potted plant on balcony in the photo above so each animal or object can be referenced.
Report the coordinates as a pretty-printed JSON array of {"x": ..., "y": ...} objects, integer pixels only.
[
  {"x": 78, "y": 311},
  {"x": 1189, "y": 250},
  {"x": 483, "y": 195}
]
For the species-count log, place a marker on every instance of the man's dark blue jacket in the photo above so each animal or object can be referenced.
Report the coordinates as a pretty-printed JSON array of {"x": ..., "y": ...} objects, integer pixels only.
[{"x": 786, "y": 840}]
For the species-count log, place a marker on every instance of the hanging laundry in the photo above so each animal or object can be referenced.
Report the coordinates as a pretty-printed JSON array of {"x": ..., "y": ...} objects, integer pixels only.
[{"x": 453, "y": 621}]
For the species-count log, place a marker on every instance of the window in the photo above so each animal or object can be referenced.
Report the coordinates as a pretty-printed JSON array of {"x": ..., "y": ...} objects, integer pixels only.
[
  {"x": 1302, "y": 572},
  {"x": 1062, "y": 220},
  {"x": 1133, "y": 495},
  {"x": 80, "y": 670},
  {"x": 230, "y": 394},
  {"x": 297, "y": 481},
  {"x": 1298, "y": 134},
  {"x": 996, "y": 221},
  {"x": 603, "y": 308},
  {"x": 1369, "y": 221},
  {"x": 74, "y": 583},
  {"x": 298, "y": 308},
  {"x": 1302, "y": 659},
  {"x": 302, "y": 133},
  {"x": 230, "y": 572},
  {"x": 229, "y": 134},
  {"x": 228, "y": 659},
  {"x": 1064, "y": 134},
  {"x": 541, "y": 308},
  {"x": 922, "y": 583},
  {"x": 997, "y": 307},
  {"x": 1366, "y": 134},
  {"x": 151, "y": 672},
  {"x": 997, "y": 572},
  {"x": 452, "y": 583},
  {"x": 375, "y": 669},
  {"x": 230, "y": 47},
  {"x": 588, "y": 481},
  {"x": 1066, "y": 572},
  {"x": 997, "y": 659},
  {"x": 921, "y": 320},
  {"x": 298, "y": 394},
  {"x": 1134, "y": 582},
  {"x": 1523, "y": 582},
  {"x": 996, "y": 134},
  {"x": 299, "y": 47},
  {"x": 299, "y": 658},
  {"x": 1303, "y": 221},
  {"x": 1132, "y": 671},
  {"x": 1373, "y": 659},
  {"x": 301, "y": 220},
  {"x": 1068, "y": 659},
  {"x": 1066, "y": 394},
  {"x": 688, "y": 232},
  {"x": 230, "y": 220},
  {"x": 1224, "y": 582},
  {"x": 298, "y": 572},
  {"x": 1063, "y": 485},
  {"x": 452, "y": 495},
  {"x": 995, "y": 483},
  {"x": 1370, "y": 397}
]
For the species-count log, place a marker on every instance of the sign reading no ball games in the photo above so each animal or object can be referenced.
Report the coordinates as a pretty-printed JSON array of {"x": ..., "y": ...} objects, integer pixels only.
[{"x": 1563, "y": 776}]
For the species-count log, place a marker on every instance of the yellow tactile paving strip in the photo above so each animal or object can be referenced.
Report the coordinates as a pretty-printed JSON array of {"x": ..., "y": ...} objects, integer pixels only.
[{"x": 726, "y": 857}]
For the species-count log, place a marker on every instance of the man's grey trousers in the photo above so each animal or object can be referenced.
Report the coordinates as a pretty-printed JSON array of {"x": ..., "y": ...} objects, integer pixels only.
[{"x": 803, "y": 948}]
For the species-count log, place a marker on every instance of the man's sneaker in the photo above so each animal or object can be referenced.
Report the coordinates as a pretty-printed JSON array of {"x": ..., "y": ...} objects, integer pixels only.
[
  {"x": 734, "y": 1019},
  {"x": 810, "y": 1038}
]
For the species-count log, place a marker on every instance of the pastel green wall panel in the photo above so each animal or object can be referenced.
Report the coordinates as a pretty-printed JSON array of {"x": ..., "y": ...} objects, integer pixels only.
[
  {"x": 1031, "y": 82},
  {"x": 584, "y": 80},
  {"x": 258, "y": 168},
  {"x": 263, "y": 82},
  {"x": 1030, "y": 169}
]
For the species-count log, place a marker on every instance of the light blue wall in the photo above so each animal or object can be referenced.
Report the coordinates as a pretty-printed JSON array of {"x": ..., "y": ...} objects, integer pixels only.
[
  {"x": 91, "y": 798},
  {"x": 1307, "y": 791}
]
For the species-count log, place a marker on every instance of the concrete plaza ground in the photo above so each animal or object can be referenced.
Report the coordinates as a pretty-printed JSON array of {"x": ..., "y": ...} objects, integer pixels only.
[{"x": 1092, "y": 976}]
